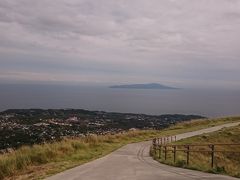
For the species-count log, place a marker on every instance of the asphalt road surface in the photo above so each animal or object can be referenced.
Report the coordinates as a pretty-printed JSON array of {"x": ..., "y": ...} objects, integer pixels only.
[{"x": 132, "y": 162}]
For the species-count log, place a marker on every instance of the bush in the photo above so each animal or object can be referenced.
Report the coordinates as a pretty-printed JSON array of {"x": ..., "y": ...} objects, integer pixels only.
[
  {"x": 219, "y": 170},
  {"x": 181, "y": 163}
]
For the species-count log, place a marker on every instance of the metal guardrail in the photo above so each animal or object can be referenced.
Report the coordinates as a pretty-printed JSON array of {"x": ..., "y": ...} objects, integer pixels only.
[{"x": 161, "y": 147}]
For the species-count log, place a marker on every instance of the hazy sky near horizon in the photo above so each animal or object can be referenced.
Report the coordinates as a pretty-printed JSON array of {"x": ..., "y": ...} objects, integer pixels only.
[{"x": 175, "y": 42}]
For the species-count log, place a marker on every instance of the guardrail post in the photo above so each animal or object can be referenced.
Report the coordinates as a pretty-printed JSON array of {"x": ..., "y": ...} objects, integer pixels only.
[
  {"x": 154, "y": 145},
  {"x": 160, "y": 150},
  {"x": 165, "y": 147},
  {"x": 212, "y": 154},
  {"x": 174, "y": 154},
  {"x": 188, "y": 148}
]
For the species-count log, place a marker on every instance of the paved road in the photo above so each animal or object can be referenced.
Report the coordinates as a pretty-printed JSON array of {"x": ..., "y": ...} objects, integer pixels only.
[{"x": 132, "y": 162}]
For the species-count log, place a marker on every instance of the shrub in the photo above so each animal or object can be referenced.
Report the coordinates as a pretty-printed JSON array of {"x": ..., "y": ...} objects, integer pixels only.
[
  {"x": 219, "y": 169},
  {"x": 181, "y": 163}
]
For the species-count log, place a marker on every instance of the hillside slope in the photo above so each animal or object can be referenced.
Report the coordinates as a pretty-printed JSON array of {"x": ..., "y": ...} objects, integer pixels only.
[
  {"x": 224, "y": 162},
  {"x": 38, "y": 161}
]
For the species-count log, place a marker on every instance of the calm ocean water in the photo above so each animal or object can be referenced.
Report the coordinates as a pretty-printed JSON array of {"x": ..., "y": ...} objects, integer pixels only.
[{"x": 209, "y": 103}]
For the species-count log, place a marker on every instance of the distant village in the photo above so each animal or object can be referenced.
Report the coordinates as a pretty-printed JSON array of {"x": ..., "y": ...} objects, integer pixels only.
[{"x": 33, "y": 126}]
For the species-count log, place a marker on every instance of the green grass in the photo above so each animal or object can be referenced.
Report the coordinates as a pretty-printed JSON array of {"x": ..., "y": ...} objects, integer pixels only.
[
  {"x": 201, "y": 124},
  {"x": 224, "y": 163},
  {"x": 39, "y": 161}
]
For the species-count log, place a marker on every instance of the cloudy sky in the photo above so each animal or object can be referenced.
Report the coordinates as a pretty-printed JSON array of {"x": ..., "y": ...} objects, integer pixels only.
[{"x": 175, "y": 42}]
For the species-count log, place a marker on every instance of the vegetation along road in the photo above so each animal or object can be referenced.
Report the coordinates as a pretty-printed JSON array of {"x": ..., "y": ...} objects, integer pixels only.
[{"x": 133, "y": 162}]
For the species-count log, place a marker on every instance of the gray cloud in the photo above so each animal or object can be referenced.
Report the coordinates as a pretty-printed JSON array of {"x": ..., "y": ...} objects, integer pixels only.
[{"x": 185, "y": 41}]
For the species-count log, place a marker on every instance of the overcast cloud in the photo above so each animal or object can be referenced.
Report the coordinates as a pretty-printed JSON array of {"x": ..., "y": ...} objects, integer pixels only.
[{"x": 176, "y": 42}]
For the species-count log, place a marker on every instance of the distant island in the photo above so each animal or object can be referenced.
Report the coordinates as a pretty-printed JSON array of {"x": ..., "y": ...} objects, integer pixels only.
[{"x": 143, "y": 86}]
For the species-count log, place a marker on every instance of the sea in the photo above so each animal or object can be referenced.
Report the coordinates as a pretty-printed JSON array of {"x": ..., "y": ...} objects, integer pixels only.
[{"x": 205, "y": 102}]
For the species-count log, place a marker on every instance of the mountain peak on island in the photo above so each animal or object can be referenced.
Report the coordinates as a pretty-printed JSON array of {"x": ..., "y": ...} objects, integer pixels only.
[{"x": 143, "y": 86}]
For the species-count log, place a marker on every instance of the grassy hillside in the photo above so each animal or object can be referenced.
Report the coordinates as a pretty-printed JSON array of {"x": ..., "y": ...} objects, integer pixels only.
[
  {"x": 201, "y": 124},
  {"x": 39, "y": 161},
  {"x": 224, "y": 163}
]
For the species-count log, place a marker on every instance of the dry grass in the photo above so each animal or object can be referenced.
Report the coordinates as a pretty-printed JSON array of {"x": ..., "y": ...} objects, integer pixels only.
[
  {"x": 39, "y": 161},
  {"x": 67, "y": 153}
]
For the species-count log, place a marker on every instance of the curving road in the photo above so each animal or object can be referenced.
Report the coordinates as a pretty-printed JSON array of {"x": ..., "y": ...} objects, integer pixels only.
[{"x": 132, "y": 162}]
